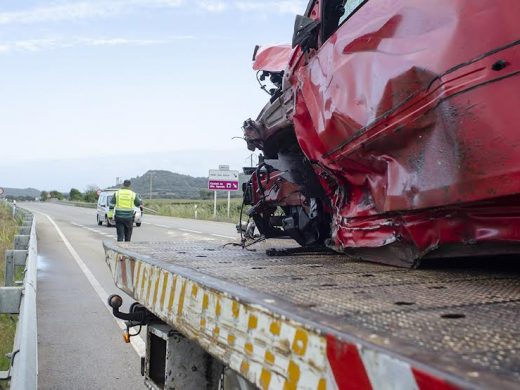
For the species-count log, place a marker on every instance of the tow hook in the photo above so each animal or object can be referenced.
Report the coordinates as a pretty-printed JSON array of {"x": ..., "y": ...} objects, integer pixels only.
[{"x": 137, "y": 315}]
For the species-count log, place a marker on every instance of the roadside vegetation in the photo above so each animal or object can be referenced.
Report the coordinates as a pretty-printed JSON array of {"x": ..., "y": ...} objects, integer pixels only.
[
  {"x": 186, "y": 208},
  {"x": 201, "y": 208},
  {"x": 8, "y": 228},
  {"x": 74, "y": 195}
]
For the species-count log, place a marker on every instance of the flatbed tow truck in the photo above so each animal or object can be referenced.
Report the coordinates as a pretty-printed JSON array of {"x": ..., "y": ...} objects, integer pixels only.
[
  {"x": 319, "y": 320},
  {"x": 390, "y": 134}
]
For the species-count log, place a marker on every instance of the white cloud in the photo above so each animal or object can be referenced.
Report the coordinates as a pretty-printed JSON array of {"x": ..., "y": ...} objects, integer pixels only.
[
  {"x": 76, "y": 10},
  {"x": 67, "y": 11},
  {"x": 282, "y": 6},
  {"x": 213, "y": 6},
  {"x": 34, "y": 45}
]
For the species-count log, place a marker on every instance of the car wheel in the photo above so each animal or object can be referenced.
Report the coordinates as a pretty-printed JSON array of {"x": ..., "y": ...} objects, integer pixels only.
[
  {"x": 138, "y": 224},
  {"x": 107, "y": 221},
  {"x": 99, "y": 222}
]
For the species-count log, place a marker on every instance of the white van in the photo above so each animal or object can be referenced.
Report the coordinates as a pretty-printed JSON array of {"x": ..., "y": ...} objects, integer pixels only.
[{"x": 104, "y": 214}]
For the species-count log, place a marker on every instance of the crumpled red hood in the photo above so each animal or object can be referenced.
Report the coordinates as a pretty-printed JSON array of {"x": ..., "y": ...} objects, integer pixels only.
[{"x": 272, "y": 58}]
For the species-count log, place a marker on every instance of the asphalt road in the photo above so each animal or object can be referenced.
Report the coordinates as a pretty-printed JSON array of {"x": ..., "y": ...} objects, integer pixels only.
[{"x": 80, "y": 344}]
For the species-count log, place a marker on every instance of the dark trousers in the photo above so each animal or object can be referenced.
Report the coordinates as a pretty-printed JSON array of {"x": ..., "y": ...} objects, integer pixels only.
[{"x": 124, "y": 227}]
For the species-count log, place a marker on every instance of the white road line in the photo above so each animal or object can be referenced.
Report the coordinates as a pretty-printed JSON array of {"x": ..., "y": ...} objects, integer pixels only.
[
  {"x": 221, "y": 236},
  {"x": 190, "y": 231},
  {"x": 163, "y": 226},
  {"x": 136, "y": 342}
]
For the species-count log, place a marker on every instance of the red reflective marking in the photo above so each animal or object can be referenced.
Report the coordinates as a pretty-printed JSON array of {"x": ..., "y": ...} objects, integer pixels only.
[
  {"x": 428, "y": 382},
  {"x": 347, "y": 366}
]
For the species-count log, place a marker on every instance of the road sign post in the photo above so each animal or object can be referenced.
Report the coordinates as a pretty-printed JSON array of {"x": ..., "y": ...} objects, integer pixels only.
[
  {"x": 215, "y": 205},
  {"x": 228, "y": 202},
  {"x": 222, "y": 179}
]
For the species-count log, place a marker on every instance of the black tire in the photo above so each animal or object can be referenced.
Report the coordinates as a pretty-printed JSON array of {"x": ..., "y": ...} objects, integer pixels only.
[
  {"x": 107, "y": 221},
  {"x": 138, "y": 224},
  {"x": 99, "y": 222}
]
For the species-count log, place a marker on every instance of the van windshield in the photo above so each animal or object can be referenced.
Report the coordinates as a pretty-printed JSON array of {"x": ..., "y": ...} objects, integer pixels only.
[{"x": 109, "y": 199}]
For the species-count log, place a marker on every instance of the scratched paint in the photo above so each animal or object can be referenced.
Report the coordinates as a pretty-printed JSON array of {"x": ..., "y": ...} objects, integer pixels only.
[{"x": 270, "y": 350}]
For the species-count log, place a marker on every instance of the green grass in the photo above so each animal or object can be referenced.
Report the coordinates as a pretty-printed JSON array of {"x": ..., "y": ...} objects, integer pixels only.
[
  {"x": 185, "y": 208},
  {"x": 8, "y": 228}
]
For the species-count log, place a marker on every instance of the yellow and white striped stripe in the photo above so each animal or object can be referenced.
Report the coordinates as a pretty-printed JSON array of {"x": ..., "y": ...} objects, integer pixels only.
[{"x": 269, "y": 350}]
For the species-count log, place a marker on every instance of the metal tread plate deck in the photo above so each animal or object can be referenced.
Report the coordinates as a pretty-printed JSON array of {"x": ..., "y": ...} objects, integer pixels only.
[{"x": 460, "y": 321}]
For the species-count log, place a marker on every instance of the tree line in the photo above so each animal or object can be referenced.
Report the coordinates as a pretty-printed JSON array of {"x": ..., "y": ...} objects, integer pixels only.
[{"x": 74, "y": 195}]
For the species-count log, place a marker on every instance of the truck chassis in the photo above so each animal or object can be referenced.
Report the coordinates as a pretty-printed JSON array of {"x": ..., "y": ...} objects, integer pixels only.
[{"x": 326, "y": 321}]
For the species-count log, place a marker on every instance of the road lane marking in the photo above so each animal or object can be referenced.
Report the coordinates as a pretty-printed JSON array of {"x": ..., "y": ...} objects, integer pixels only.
[
  {"x": 221, "y": 236},
  {"x": 190, "y": 231},
  {"x": 137, "y": 342},
  {"x": 163, "y": 226}
]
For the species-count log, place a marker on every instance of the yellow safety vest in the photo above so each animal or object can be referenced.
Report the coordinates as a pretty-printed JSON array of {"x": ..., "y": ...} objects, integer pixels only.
[{"x": 125, "y": 200}]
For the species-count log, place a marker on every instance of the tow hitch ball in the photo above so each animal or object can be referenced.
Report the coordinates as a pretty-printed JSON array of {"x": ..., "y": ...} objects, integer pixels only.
[{"x": 137, "y": 315}]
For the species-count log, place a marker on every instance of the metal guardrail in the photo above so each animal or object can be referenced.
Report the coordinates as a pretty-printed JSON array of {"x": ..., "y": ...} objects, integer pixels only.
[
  {"x": 74, "y": 203},
  {"x": 19, "y": 297}
]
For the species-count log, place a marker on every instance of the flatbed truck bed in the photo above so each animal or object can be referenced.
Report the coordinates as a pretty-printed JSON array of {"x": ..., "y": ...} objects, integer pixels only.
[{"x": 325, "y": 321}]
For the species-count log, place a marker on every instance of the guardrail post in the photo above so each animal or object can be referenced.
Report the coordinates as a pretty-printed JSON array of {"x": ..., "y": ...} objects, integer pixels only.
[
  {"x": 13, "y": 258},
  {"x": 9, "y": 268},
  {"x": 26, "y": 223},
  {"x": 21, "y": 241},
  {"x": 24, "y": 230},
  {"x": 10, "y": 298}
]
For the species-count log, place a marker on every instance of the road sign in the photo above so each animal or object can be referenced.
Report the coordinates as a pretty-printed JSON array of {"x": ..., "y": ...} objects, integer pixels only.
[
  {"x": 223, "y": 180},
  {"x": 223, "y": 167},
  {"x": 1, "y": 191}
]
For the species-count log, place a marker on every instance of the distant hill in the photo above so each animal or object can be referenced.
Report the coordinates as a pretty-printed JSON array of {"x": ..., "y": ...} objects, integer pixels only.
[
  {"x": 166, "y": 184},
  {"x": 22, "y": 192}
]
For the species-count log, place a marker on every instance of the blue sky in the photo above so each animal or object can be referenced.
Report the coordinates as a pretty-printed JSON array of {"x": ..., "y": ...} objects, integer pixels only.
[{"x": 87, "y": 80}]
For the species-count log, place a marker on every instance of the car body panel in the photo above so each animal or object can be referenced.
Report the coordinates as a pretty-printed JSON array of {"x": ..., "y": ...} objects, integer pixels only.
[{"x": 407, "y": 113}]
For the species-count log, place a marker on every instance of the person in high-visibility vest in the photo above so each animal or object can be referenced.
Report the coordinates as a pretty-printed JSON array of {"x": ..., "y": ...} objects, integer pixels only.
[{"x": 124, "y": 201}]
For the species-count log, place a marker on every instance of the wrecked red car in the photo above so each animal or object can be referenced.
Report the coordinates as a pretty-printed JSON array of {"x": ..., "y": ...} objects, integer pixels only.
[{"x": 392, "y": 132}]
